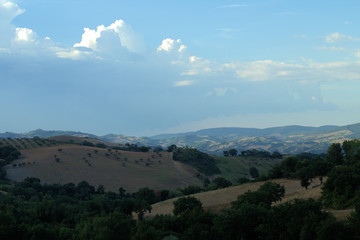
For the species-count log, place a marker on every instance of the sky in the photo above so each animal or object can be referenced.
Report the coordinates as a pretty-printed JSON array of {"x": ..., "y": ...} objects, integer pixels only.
[{"x": 148, "y": 67}]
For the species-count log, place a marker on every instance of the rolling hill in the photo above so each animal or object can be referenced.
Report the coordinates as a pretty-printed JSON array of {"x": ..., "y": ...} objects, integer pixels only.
[
  {"x": 63, "y": 159},
  {"x": 112, "y": 169},
  {"x": 221, "y": 199},
  {"x": 286, "y": 139}
]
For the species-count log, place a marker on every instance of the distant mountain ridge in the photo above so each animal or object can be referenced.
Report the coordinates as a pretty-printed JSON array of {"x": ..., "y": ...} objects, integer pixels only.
[
  {"x": 286, "y": 139},
  {"x": 249, "y": 132}
]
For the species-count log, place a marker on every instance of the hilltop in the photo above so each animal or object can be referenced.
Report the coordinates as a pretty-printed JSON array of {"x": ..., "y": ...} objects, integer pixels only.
[{"x": 286, "y": 139}]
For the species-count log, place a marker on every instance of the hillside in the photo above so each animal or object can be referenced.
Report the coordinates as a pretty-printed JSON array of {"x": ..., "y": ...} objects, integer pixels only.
[
  {"x": 64, "y": 159},
  {"x": 286, "y": 139},
  {"x": 113, "y": 169},
  {"x": 220, "y": 199}
]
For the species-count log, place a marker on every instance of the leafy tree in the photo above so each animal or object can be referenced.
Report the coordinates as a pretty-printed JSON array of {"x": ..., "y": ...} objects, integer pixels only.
[
  {"x": 191, "y": 189},
  {"x": 341, "y": 186},
  {"x": 141, "y": 207},
  {"x": 185, "y": 204},
  {"x": 233, "y": 152},
  {"x": 289, "y": 166},
  {"x": 199, "y": 160},
  {"x": 351, "y": 150},
  {"x": 296, "y": 220},
  {"x": 334, "y": 154},
  {"x": 146, "y": 194},
  {"x": 321, "y": 168},
  {"x": 171, "y": 148},
  {"x": 305, "y": 174},
  {"x": 221, "y": 182},
  {"x": 241, "y": 223},
  {"x": 226, "y": 153},
  {"x": 268, "y": 193},
  {"x": 254, "y": 173},
  {"x": 276, "y": 171}
]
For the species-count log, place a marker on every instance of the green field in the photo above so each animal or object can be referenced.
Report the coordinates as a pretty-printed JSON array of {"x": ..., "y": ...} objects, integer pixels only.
[{"x": 232, "y": 168}]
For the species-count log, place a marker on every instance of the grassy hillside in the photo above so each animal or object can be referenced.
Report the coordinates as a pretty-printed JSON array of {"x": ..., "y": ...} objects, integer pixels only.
[
  {"x": 113, "y": 169},
  {"x": 232, "y": 168},
  {"x": 221, "y": 199},
  {"x": 63, "y": 159},
  {"x": 27, "y": 143}
]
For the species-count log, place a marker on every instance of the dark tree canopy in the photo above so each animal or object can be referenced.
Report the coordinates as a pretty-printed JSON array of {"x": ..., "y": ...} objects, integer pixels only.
[{"x": 335, "y": 155}]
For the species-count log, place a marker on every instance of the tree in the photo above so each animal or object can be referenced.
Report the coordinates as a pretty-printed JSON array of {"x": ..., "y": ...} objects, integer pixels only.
[
  {"x": 321, "y": 168},
  {"x": 254, "y": 173},
  {"x": 351, "y": 150},
  {"x": 276, "y": 172},
  {"x": 171, "y": 148},
  {"x": 226, "y": 153},
  {"x": 305, "y": 174},
  {"x": 221, "y": 182},
  {"x": 268, "y": 193},
  {"x": 341, "y": 186},
  {"x": 185, "y": 204},
  {"x": 233, "y": 152},
  {"x": 146, "y": 194},
  {"x": 141, "y": 207},
  {"x": 334, "y": 154}
]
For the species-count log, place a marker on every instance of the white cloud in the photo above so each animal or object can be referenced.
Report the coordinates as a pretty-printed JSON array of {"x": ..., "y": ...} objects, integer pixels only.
[
  {"x": 194, "y": 59},
  {"x": 183, "y": 83},
  {"x": 25, "y": 35},
  {"x": 171, "y": 45},
  {"x": 9, "y": 10},
  {"x": 167, "y": 45},
  {"x": 117, "y": 34},
  {"x": 264, "y": 70},
  {"x": 338, "y": 37}
]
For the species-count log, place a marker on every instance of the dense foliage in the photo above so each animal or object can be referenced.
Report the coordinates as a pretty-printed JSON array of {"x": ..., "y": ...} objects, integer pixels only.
[
  {"x": 199, "y": 160},
  {"x": 7, "y": 155},
  {"x": 30, "y": 210}
]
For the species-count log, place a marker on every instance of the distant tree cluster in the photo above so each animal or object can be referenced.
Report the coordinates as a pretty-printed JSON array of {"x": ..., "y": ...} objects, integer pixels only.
[
  {"x": 200, "y": 161},
  {"x": 252, "y": 153},
  {"x": 7, "y": 155}
]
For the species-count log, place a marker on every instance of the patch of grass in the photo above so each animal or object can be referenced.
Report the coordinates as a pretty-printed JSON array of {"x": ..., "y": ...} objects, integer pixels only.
[{"x": 232, "y": 168}]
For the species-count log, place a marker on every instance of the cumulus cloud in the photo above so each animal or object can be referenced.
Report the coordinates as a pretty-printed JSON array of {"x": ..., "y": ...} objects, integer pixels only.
[
  {"x": 25, "y": 35},
  {"x": 118, "y": 34},
  {"x": 8, "y": 11},
  {"x": 170, "y": 45},
  {"x": 338, "y": 37}
]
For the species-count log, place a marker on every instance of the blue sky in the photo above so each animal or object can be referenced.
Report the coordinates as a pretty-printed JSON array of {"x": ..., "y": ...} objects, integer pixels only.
[{"x": 147, "y": 67}]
